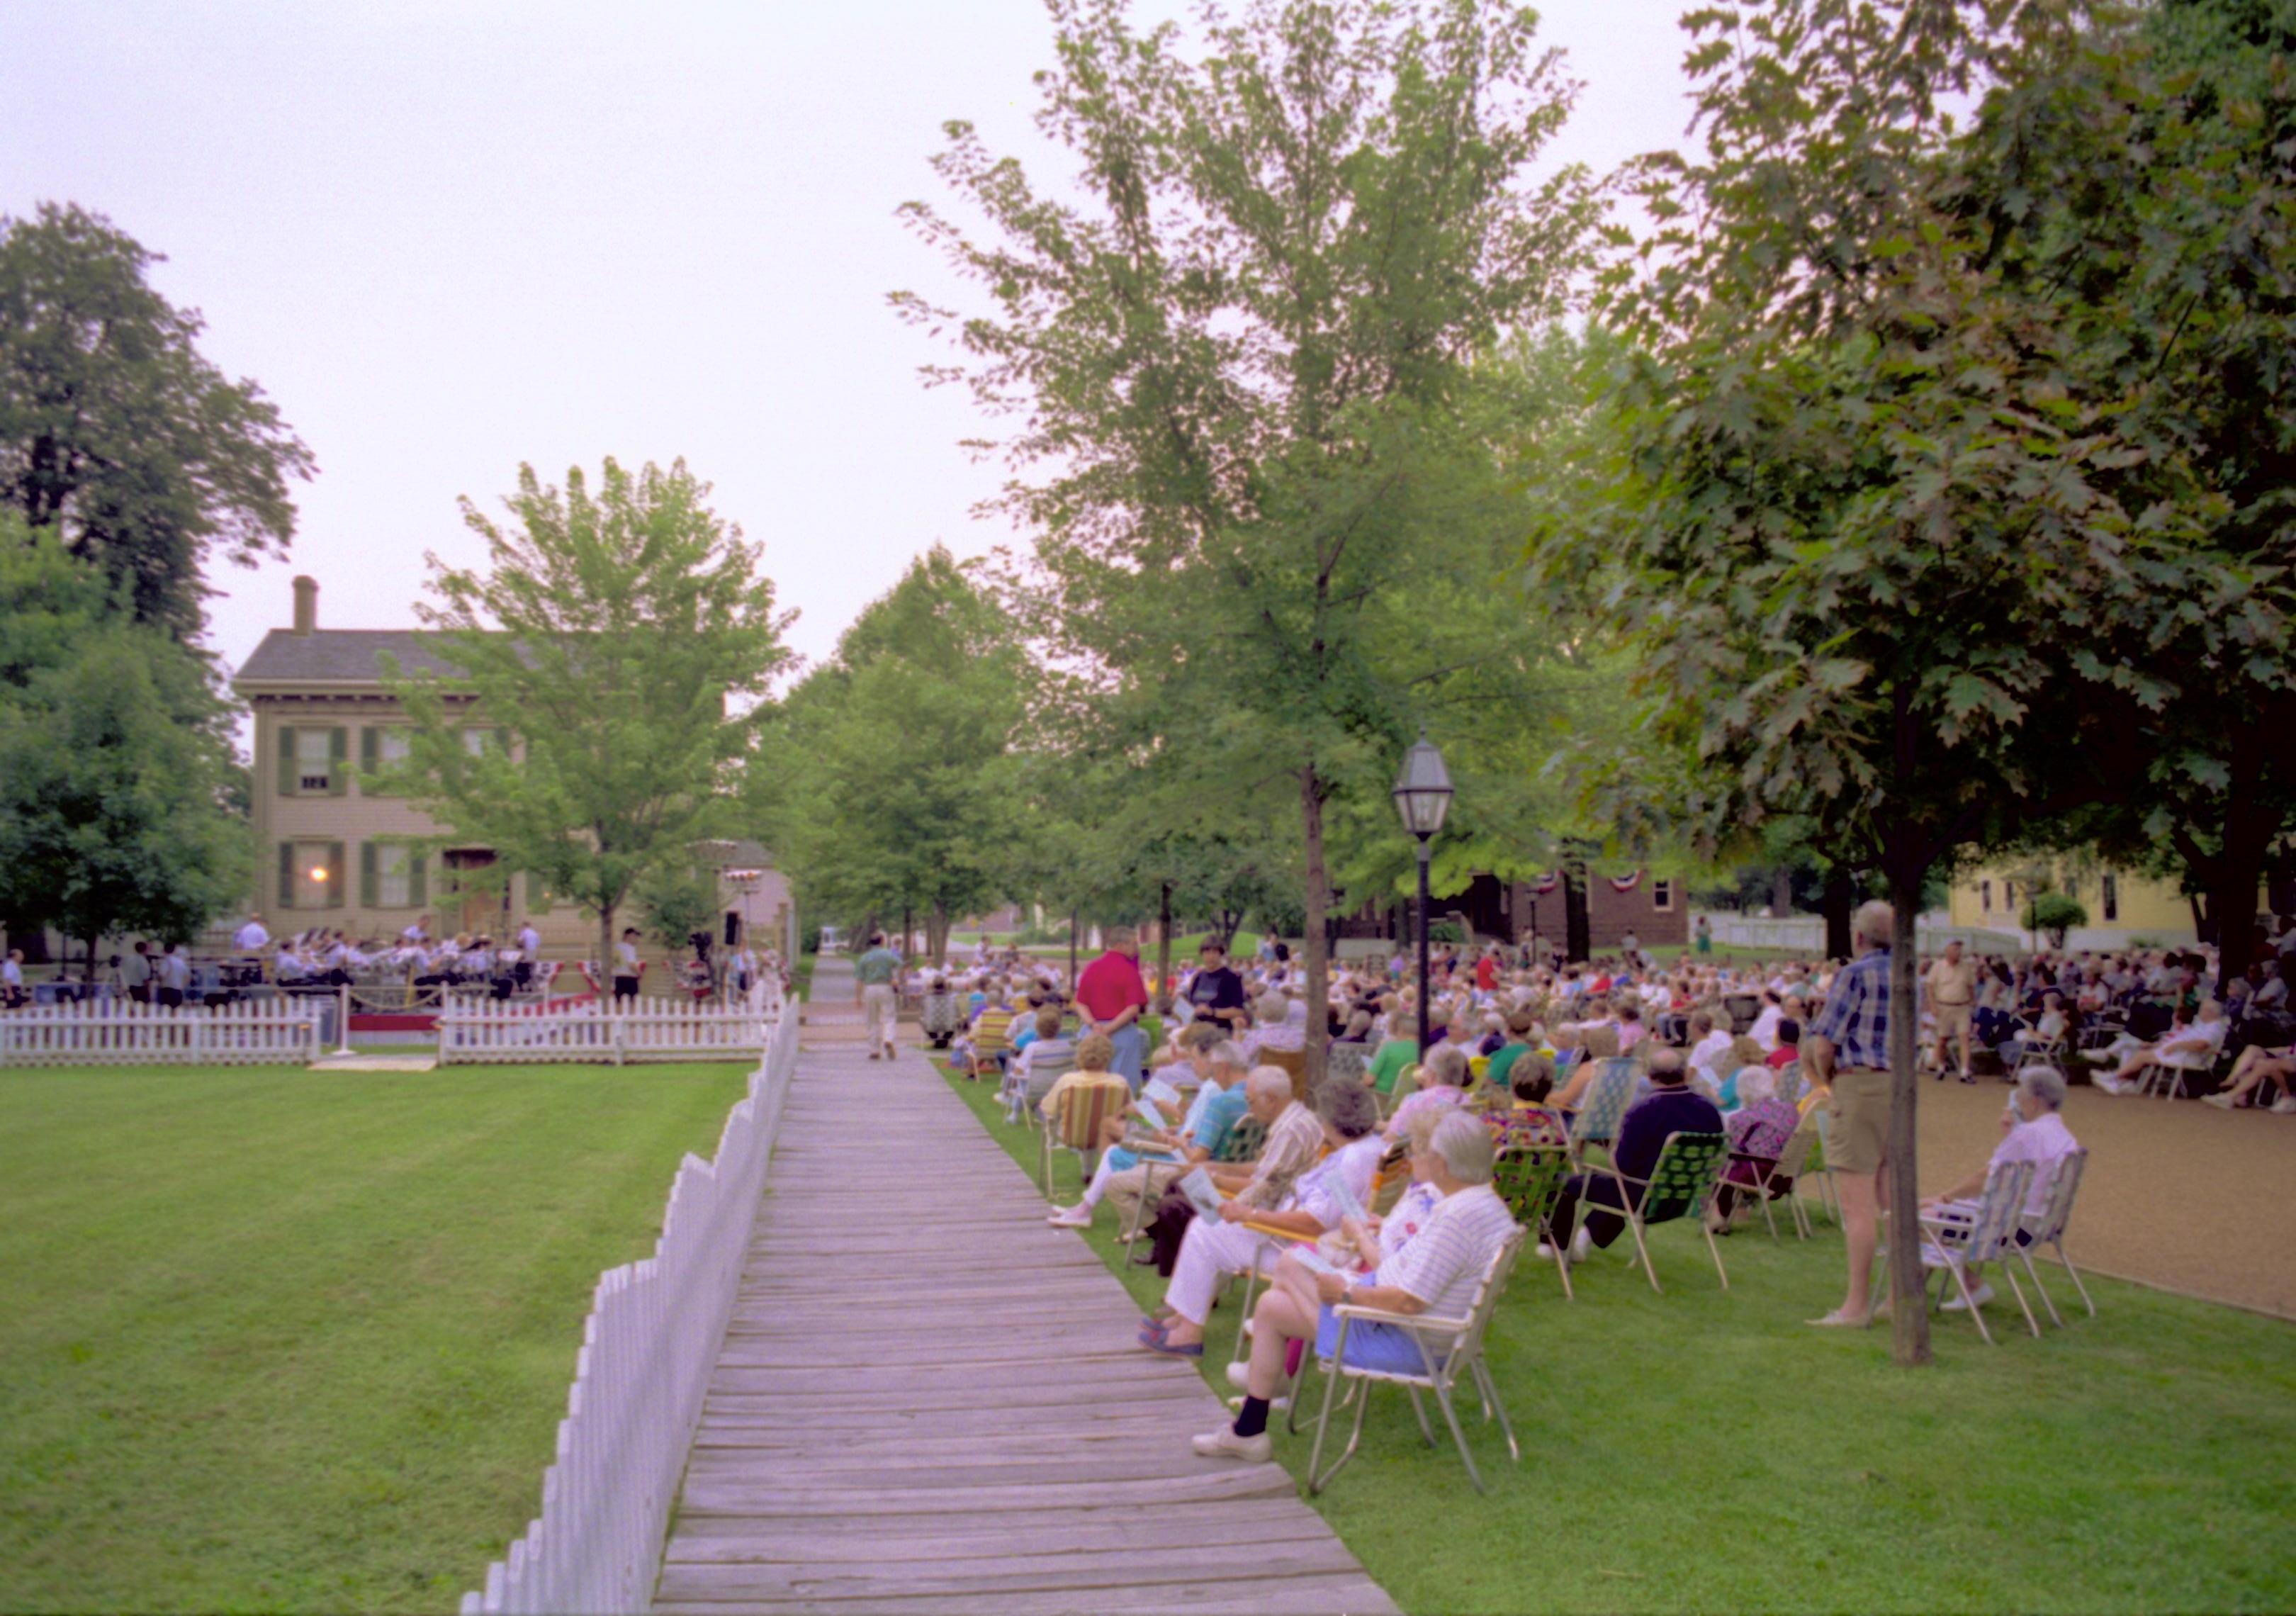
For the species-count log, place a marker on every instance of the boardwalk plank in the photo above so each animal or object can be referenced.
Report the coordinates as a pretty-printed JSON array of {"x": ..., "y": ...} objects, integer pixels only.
[{"x": 930, "y": 1400}]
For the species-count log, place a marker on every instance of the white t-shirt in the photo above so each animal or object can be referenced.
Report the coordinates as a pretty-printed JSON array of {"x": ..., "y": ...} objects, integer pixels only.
[
  {"x": 1714, "y": 1048},
  {"x": 1317, "y": 1190},
  {"x": 2044, "y": 1142},
  {"x": 11, "y": 973},
  {"x": 529, "y": 942},
  {"x": 625, "y": 959},
  {"x": 252, "y": 937}
]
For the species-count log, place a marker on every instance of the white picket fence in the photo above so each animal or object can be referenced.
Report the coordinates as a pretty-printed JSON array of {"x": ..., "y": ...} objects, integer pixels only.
[
  {"x": 121, "y": 1032},
  {"x": 653, "y": 1333},
  {"x": 590, "y": 1032}
]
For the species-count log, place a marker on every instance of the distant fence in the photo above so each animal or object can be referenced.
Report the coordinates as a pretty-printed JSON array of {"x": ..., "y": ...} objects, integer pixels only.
[
  {"x": 661, "y": 1031},
  {"x": 121, "y": 1032},
  {"x": 1805, "y": 932},
  {"x": 652, "y": 1336}
]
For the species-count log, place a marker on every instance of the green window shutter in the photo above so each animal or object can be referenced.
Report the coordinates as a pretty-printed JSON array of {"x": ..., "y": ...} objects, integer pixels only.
[
  {"x": 418, "y": 891},
  {"x": 286, "y": 762},
  {"x": 335, "y": 882},
  {"x": 537, "y": 892},
  {"x": 286, "y": 874},
  {"x": 339, "y": 758},
  {"x": 370, "y": 737},
  {"x": 369, "y": 883}
]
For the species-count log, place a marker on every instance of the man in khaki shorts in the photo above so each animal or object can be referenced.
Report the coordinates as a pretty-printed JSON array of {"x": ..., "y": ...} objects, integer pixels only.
[
  {"x": 1951, "y": 987},
  {"x": 1847, "y": 1053}
]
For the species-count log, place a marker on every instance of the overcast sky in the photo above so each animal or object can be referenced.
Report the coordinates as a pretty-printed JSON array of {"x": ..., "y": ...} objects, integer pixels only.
[{"x": 451, "y": 236}]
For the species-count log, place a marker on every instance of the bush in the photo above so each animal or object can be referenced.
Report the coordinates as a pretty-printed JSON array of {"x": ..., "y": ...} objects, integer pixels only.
[{"x": 2054, "y": 913}]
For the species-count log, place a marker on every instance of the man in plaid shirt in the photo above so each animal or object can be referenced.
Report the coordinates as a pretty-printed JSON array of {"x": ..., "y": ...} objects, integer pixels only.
[{"x": 1847, "y": 1053}]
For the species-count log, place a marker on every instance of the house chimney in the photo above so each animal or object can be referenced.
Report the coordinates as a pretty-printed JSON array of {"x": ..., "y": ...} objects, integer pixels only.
[{"x": 306, "y": 605}]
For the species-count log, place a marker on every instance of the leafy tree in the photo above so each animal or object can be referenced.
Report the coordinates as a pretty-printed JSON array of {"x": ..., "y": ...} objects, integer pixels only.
[
  {"x": 2054, "y": 914},
  {"x": 117, "y": 774},
  {"x": 1241, "y": 370},
  {"x": 1860, "y": 516},
  {"x": 892, "y": 788},
  {"x": 117, "y": 434},
  {"x": 605, "y": 665},
  {"x": 677, "y": 901}
]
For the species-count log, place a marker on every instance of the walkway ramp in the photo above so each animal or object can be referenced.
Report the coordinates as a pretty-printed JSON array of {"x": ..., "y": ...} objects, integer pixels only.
[{"x": 927, "y": 1400}]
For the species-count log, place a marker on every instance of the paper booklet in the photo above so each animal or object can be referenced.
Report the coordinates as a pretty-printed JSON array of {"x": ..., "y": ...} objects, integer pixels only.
[
  {"x": 1350, "y": 1207},
  {"x": 1148, "y": 1109},
  {"x": 1313, "y": 1261},
  {"x": 1197, "y": 1186},
  {"x": 1162, "y": 1092}
]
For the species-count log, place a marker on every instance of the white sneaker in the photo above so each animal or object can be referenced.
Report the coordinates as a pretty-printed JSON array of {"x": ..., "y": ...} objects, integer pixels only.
[
  {"x": 1977, "y": 1298},
  {"x": 2221, "y": 1101},
  {"x": 1582, "y": 1244},
  {"x": 1225, "y": 1444},
  {"x": 2284, "y": 1106},
  {"x": 1078, "y": 1217},
  {"x": 1543, "y": 1252}
]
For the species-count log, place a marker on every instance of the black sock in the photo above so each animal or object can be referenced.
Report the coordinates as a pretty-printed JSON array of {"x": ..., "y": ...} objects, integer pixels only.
[{"x": 1253, "y": 1420}]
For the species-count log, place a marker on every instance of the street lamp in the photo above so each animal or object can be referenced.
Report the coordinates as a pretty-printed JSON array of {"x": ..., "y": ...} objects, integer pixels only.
[{"x": 1423, "y": 796}]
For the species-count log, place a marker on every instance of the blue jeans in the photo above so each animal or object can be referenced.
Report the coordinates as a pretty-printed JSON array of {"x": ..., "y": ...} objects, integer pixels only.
[{"x": 1131, "y": 1054}]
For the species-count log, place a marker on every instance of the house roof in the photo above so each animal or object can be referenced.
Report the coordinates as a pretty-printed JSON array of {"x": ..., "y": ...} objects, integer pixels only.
[{"x": 339, "y": 656}]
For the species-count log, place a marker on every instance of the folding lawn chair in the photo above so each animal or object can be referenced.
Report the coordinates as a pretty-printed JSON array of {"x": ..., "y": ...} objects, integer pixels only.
[
  {"x": 1603, "y": 1107},
  {"x": 1688, "y": 1168},
  {"x": 1528, "y": 1177},
  {"x": 1077, "y": 1118},
  {"x": 1955, "y": 1238},
  {"x": 1442, "y": 1367},
  {"x": 2048, "y": 1228},
  {"x": 1784, "y": 1168}
]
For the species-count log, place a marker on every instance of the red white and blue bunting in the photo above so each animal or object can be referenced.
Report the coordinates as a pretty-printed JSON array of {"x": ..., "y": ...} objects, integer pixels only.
[{"x": 1626, "y": 884}]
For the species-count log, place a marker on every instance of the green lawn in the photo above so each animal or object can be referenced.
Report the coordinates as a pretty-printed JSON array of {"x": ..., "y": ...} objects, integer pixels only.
[
  {"x": 1702, "y": 1450},
  {"x": 281, "y": 1340}
]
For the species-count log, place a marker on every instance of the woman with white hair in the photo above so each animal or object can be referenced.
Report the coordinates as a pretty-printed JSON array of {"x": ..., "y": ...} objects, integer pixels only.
[
  {"x": 1759, "y": 1130},
  {"x": 1435, "y": 1272},
  {"x": 1443, "y": 1078},
  {"x": 2037, "y": 1134},
  {"x": 1272, "y": 1027}
]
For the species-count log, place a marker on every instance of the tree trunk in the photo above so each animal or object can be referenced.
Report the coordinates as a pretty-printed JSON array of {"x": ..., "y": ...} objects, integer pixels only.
[
  {"x": 1910, "y": 1315},
  {"x": 1578, "y": 931},
  {"x": 936, "y": 936},
  {"x": 1319, "y": 901},
  {"x": 89, "y": 976},
  {"x": 1782, "y": 892},
  {"x": 1164, "y": 950},
  {"x": 1841, "y": 893},
  {"x": 1072, "y": 953},
  {"x": 909, "y": 930},
  {"x": 606, "y": 955}
]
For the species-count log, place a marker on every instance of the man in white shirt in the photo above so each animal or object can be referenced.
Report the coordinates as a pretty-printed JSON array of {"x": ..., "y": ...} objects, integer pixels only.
[
  {"x": 175, "y": 975},
  {"x": 251, "y": 938},
  {"x": 418, "y": 933},
  {"x": 1709, "y": 1046},
  {"x": 2037, "y": 1134},
  {"x": 11, "y": 979}
]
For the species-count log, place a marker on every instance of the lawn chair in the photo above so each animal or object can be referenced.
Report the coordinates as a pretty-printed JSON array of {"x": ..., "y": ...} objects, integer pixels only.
[
  {"x": 1819, "y": 1119},
  {"x": 1529, "y": 1179},
  {"x": 1603, "y": 1107},
  {"x": 1406, "y": 1084},
  {"x": 1440, "y": 1373},
  {"x": 1021, "y": 1095},
  {"x": 1292, "y": 1062},
  {"x": 1785, "y": 1169},
  {"x": 1346, "y": 1063},
  {"x": 1688, "y": 1168},
  {"x": 1392, "y": 1178},
  {"x": 1078, "y": 1117},
  {"x": 2048, "y": 1228},
  {"x": 1955, "y": 1238},
  {"x": 1242, "y": 1144}
]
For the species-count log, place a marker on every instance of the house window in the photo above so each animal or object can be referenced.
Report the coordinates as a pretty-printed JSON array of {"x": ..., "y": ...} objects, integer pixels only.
[
  {"x": 480, "y": 740},
  {"x": 1661, "y": 895},
  {"x": 311, "y": 761},
  {"x": 1985, "y": 896},
  {"x": 2008, "y": 896},
  {"x": 2112, "y": 899},
  {"x": 394, "y": 875},
  {"x": 311, "y": 874}
]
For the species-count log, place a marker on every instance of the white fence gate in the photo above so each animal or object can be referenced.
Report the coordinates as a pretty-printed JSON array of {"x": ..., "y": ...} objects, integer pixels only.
[
  {"x": 588, "y": 1032},
  {"x": 652, "y": 1336},
  {"x": 121, "y": 1032}
]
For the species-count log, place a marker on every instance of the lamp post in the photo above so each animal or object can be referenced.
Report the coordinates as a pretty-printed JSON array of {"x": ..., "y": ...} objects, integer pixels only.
[{"x": 1423, "y": 796}]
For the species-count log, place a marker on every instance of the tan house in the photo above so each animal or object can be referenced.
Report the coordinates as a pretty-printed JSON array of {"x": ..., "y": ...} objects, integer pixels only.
[{"x": 335, "y": 852}]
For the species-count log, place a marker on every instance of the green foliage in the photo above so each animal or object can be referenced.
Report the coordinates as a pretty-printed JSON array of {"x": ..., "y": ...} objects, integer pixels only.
[
  {"x": 890, "y": 784},
  {"x": 2054, "y": 913},
  {"x": 115, "y": 434},
  {"x": 676, "y": 901},
  {"x": 258, "y": 1304},
  {"x": 1271, "y": 533},
  {"x": 617, "y": 643},
  {"x": 116, "y": 777}
]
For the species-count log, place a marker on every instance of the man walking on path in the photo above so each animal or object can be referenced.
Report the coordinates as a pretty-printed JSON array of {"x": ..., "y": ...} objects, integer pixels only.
[
  {"x": 878, "y": 972},
  {"x": 1951, "y": 985},
  {"x": 1847, "y": 1053},
  {"x": 1112, "y": 993}
]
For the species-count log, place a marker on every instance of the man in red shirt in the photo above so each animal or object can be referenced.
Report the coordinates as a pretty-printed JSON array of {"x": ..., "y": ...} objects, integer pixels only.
[
  {"x": 1111, "y": 991},
  {"x": 1487, "y": 969}
]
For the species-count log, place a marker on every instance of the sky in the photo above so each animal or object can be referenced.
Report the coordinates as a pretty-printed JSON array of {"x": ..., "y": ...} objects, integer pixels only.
[{"x": 451, "y": 236}]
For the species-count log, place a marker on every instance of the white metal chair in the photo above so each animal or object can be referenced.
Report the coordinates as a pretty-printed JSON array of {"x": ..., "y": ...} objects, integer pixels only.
[
  {"x": 1442, "y": 1367},
  {"x": 1955, "y": 1237},
  {"x": 2048, "y": 1228}
]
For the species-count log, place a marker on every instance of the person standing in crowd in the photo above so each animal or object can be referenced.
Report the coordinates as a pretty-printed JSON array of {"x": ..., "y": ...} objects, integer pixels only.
[
  {"x": 625, "y": 967},
  {"x": 12, "y": 980},
  {"x": 878, "y": 974},
  {"x": 1847, "y": 1053},
  {"x": 1951, "y": 985},
  {"x": 1111, "y": 991},
  {"x": 1216, "y": 992},
  {"x": 138, "y": 973},
  {"x": 174, "y": 974},
  {"x": 530, "y": 952},
  {"x": 251, "y": 938}
]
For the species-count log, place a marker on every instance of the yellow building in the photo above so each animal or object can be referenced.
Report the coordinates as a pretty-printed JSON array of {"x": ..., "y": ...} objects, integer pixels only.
[
  {"x": 2122, "y": 907},
  {"x": 333, "y": 851}
]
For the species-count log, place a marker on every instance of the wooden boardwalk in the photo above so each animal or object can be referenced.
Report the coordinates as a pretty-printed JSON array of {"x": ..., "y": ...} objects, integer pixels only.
[{"x": 927, "y": 1400}]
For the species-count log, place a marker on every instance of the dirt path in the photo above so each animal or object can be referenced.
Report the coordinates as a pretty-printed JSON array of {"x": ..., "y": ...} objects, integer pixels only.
[{"x": 2178, "y": 1194}]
